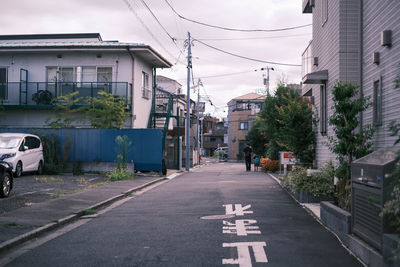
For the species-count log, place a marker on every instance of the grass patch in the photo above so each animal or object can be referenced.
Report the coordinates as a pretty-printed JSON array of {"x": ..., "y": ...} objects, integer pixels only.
[
  {"x": 56, "y": 195},
  {"x": 88, "y": 212},
  {"x": 119, "y": 175},
  {"x": 13, "y": 224},
  {"x": 83, "y": 181},
  {"x": 50, "y": 179}
]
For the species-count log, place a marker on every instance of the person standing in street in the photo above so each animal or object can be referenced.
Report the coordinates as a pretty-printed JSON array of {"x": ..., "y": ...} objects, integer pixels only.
[{"x": 247, "y": 156}]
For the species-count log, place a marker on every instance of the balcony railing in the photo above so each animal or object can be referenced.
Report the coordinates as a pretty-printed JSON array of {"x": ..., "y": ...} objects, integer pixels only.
[
  {"x": 42, "y": 93},
  {"x": 307, "y": 60}
]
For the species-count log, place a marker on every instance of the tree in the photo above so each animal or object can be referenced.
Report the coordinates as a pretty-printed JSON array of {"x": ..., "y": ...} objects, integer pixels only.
[
  {"x": 285, "y": 123},
  {"x": 349, "y": 142},
  {"x": 67, "y": 112},
  {"x": 296, "y": 128},
  {"x": 106, "y": 111},
  {"x": 256, "y": 139}
]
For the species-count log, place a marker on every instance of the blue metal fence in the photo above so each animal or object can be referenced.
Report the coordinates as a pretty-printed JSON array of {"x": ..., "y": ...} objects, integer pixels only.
[{"x": 98, "y": 145}]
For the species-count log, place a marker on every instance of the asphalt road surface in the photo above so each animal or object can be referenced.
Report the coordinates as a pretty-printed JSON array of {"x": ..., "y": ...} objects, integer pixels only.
[{"x": 217, "y": 215}]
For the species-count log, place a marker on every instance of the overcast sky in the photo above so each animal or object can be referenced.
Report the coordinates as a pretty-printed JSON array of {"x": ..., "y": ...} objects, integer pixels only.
[{"x": 114, "y": 20}]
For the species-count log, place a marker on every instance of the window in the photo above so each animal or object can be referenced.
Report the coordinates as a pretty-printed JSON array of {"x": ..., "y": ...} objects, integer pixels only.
[
  {"x": 104, "y": 74},
  {"x": 145, "y": 85},
  {"x": 3, "y": 84},
  {"x": 32, "y": 142},
  {"x": 324, "y": 11},
  {"x": 84, "y": 74},
  {"x": 378, "y": 102},
  {"x": 323, "y": 110},
  {"x": 244, "y": 126}
]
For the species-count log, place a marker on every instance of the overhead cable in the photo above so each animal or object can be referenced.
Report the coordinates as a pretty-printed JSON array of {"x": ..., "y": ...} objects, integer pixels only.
[
  {"x": 235, "y": 29},
  {"x": 248, "y": 58},
  {"x": 133, "y": 11},
  {"x": 252, "y": 38}
]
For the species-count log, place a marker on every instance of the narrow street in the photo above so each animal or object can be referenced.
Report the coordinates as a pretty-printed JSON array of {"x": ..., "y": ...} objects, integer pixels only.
[{"x": 216, "y": 215}]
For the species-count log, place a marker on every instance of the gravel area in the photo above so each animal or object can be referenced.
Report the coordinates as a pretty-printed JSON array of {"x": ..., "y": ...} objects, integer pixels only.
[{"x": 31, "y": 189}]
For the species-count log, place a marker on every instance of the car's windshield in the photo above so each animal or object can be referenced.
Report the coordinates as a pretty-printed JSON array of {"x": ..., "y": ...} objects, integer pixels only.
[{"x": 9, "y": 142}]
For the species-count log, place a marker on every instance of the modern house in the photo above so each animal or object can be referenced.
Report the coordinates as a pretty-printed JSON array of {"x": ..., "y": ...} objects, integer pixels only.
[
  {"x": 242, "y": 112},
  {"x": 34, "y": 69},
  {"x": 354, "y": 41}
]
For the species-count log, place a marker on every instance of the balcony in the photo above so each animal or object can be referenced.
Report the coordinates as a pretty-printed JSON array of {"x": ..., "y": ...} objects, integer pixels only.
[{"x": 41, "y": 94}]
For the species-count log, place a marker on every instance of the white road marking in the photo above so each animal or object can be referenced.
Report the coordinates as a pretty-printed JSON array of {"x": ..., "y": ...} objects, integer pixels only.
[
  {"x": 239, "y": 209},
  {"x": 244, "y": 258},
  {"x": 241, "y": 227}
]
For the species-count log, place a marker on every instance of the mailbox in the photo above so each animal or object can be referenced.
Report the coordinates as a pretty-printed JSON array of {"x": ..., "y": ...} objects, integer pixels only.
[{"x": 371, "y": 187}]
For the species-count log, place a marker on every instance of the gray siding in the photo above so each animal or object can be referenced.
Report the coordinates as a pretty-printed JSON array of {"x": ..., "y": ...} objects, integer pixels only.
[
  {"x": 344, "y": 46},
  {"x": 379, "y": 16}
]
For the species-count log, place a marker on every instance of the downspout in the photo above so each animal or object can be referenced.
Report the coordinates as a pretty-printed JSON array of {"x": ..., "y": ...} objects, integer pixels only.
[
  {"x": 361, "y": 58},
  {"x": 154, "y": 98},
  {"x": 133, "y": 88}
]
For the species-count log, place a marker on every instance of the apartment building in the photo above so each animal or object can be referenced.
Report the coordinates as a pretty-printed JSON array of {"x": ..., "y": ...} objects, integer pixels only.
[
  {"x": 354, "y": 41},
  {"x": 242, "y": 112}
]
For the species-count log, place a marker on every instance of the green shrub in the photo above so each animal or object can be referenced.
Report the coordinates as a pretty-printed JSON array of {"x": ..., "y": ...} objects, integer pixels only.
[
  {"x": 119, "y": 175},
  {"x": 317, "y": 184},
  {"x": 391, "y": 212},
  {"x": 77, "y": 168}
]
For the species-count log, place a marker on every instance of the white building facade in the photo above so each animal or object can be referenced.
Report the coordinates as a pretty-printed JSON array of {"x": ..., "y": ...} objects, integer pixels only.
[{"x": 37, "y": 68}]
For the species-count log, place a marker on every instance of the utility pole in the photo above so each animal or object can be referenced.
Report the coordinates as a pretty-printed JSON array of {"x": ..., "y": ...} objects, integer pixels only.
[
  {"x": 187, "y": 133},
  {"x": 197, "y": 117},
  {"x": 266, "y": 81}
]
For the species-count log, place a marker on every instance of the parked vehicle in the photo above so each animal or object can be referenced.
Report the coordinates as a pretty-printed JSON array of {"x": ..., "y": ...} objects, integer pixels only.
[
  {"x": 6, "y": 179},
  {"x": 222, "y": 148},
  {"x": 24, "y": 152}
]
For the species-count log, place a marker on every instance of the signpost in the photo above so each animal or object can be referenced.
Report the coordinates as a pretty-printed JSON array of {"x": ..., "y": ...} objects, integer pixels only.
[{"x": 286, "y": 158}]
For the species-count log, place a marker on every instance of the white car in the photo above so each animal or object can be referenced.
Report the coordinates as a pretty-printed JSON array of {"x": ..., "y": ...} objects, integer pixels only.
[{"x": 24, "y": 152}]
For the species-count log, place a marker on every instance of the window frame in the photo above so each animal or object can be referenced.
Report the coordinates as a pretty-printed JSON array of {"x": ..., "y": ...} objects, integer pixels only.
[
  {"x": 324, "y": 12},
  {"x": 323, "y": 109},
  {"x": 145, "y": 85},
  {"x": 6, "y": 84},
  {"x": 244, "y": 123},
  {"x": 377, "y": 102}
]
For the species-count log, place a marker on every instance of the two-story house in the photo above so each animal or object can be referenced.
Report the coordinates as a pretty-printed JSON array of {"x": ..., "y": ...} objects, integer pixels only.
[
  {"x": 354, "y": 41},
  {"x": 34, "y": 69},
  {"x": 242, "y": 112}
]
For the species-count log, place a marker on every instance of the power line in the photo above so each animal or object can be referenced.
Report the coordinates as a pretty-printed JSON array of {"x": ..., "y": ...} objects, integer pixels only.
[
  {"x": 133, "y": 11},
  {"x": 251, "y": 38},
  {"x": 248, "y": 58},
  {"x": 159, "y": 23},
  {"x": 235, "y": 29}
]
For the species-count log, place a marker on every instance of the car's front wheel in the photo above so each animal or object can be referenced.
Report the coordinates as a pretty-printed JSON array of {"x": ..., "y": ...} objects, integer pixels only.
[
  {"x": 18, "y": 169},
  {"x": 5, "y": 185},
  {"x": 40, "y": 168}
]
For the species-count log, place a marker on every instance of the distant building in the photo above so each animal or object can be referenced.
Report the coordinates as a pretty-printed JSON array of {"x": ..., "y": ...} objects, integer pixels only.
[
  {"x": 242, "y": 112},
  {"x": 213, "y": 135}
]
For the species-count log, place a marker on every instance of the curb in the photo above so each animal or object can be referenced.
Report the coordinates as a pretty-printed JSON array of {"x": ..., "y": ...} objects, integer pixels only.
[{"x": 6, "y": 245}]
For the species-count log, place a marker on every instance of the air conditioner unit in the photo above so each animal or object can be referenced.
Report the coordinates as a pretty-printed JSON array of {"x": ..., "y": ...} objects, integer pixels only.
[{"x": 386, "y": 38}]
